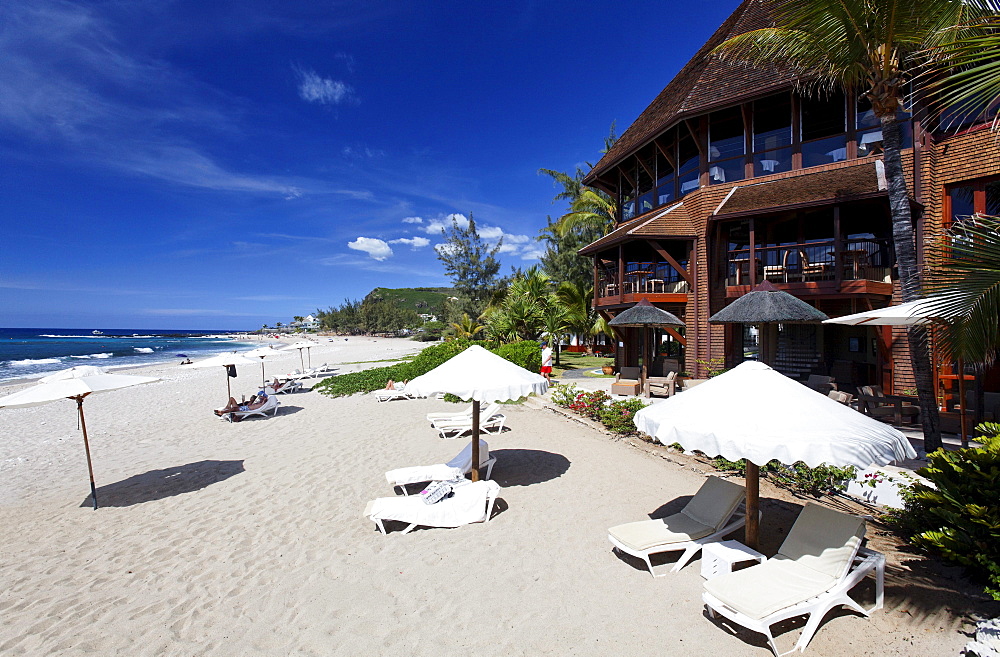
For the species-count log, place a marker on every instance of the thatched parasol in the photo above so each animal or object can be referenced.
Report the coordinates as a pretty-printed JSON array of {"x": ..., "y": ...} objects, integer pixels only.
[{"x": 643, "y": 315}]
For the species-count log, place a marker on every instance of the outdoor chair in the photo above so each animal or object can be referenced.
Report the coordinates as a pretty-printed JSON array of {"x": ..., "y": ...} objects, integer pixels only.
[
  {"x": 808, "y": 269},
  {"x": 690, "y": 383},
  {"x": 456, "y": 468},
  {"x": 778, "y": 272},
  {"x": 872, "y": 401},
  {"x": 397, "y": 392},
  {"x": 491, "y": 420},
  {"x": 820, "y": 383},
  {"x": 283, "y": 387},
  {"x": 627, "y": 381},
  {"x": 840, "y": 396},
  {"x": 713, "y": 512},
  {"x": 431, "y": 417},
  {"x": 471, "y": 501},
  {"x": 270, "y": 405},
  {"x": 663, "y": 385},
  {"x": 818, "y": 563}
]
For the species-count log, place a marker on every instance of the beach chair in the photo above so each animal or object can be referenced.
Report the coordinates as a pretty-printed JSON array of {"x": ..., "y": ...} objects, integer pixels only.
[
  {"x": 270, "y": 405},
  {"x": 627, "y": 381},
  {"x": 398, "y": 392},
  {"x": 432, "y": 417},
  {"x": 818, "y": 563},
  {"x": 713, "y": 512},
  {"x": 456, "y": 468},
  {"x": 284, "y": 387},
  {"x": 491, "y": 420},
  {"x": 471, "y": 501}
]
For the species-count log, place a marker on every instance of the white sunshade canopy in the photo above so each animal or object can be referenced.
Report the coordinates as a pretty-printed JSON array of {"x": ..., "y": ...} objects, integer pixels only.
[
  {"x": 904, "y": 314},
  {"x": 224, "y": 360},
  {"x": 479, "y": 375},
  {"x": 263, "y": 352},
  {"x": 299, "y": 345},
  {"x": 72, "y": 382},
  {"x": 759, "y": 414}
]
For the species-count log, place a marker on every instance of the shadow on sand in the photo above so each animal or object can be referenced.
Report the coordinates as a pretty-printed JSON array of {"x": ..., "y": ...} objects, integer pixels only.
[
  {"x": 523, "y": 467},
  {"x": 159, "y": 484}
]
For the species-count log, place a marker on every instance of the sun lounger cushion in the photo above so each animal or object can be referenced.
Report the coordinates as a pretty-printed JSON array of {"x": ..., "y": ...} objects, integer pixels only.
[
  {"x": 646, "y": 534},
  {"x": 824, "y": 540},
  {"x": 455, "y": 468},
  {"x": 705, "y": 513},
  {"x": 467, "y": 505},
  {"x": 769, "y": 587}
]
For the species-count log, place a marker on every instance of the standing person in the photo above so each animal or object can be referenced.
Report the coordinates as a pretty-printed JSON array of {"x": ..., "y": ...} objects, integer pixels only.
[{"x": 547, "y": 362}]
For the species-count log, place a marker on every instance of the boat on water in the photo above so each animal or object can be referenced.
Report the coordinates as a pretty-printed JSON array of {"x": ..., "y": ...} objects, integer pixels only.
[{"x": 96, "y": 332}]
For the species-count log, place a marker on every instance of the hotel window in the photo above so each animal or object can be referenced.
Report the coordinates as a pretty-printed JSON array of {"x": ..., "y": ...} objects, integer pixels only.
[
  {"x": 665, "y": 179},
  {"x": 772, "y": 135},
  {"x": 824, "y": 130},
  {"x": 973, "y": 198},
  {"x": 627, "y": 200},
  {"x": 869, "y": 129},
  {"x": 726, "y": 146},
  {"x": 687, "y": 156},
  {"x": 644, "y": 200}
]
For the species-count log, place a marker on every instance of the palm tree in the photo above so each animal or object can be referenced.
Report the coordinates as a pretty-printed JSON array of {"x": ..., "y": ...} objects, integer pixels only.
[
  {"x": 518, "y": 314},
  {"x": 467, "y": 327},
  {"x": 871, "y": 47},
  {"x": 593, "y": 212},
  {"x": 555, "y": 323},
  {"x": 583, "y": 320},
  {"x": 972, "y": 61}
]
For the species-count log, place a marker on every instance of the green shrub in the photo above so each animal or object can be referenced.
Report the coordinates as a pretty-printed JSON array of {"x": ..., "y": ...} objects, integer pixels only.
[
  {"x": 434, "y": 355},
  {"x": 590, "y": 404},
  {"x": 961, "y": 514},
  {"x": 525, "y": 353},
  {"x": 799, "y": 478},
  {"x": 564, "y": 395},
  {"x": 618, "y": 415}
]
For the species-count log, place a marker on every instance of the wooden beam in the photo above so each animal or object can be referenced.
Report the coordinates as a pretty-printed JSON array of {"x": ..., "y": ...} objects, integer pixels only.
[
  {"x": 677, "y": 336},
  {"x": 665, "y": 153},
  {"x": 673, "y": 263},
  {"x": 694, "y": 135},
  {"x": 652, "y": 174},
  {"x": 626, "y": 176}
]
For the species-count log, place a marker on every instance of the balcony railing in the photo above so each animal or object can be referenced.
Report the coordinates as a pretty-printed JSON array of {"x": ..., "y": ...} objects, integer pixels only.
[
  {"x": 642, "y": 278},
  {"x": 857, "y": 259}
]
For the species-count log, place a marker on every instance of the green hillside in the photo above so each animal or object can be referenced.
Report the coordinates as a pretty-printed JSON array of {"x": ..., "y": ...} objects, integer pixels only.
[{"x": 421, "y": 299}]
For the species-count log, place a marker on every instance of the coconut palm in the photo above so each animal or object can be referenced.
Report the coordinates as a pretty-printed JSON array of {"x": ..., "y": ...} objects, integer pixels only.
[
  {"x": 971, "y": 85},
  {"x": 519, "y": 313},
  {"x": 555, "y": 322},
  {"x": 872, "y": 47},
  {"x": 593, "y": 212},
  {"x": 467, "y": 327},
  {"x": 583, "y": 320}
]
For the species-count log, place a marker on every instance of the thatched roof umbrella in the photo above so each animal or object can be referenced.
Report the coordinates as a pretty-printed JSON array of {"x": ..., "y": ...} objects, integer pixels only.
[
  {"x": 766, "y": 306},
  {"x": 643, "y": 315}
]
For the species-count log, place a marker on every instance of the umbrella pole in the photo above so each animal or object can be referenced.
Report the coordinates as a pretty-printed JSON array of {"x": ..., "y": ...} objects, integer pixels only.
[
  {"x": 962, "y": 403},
  {"x": 301, "y": 361},
  {"x": 229, "y": 390},
  {"x": 475, "y": 440},
  {"x": 752, "y": 479},
  {"x": 263, "y": 381},
  {"x": 86, "y": 446},
  {"x": 309, "y": 353}
]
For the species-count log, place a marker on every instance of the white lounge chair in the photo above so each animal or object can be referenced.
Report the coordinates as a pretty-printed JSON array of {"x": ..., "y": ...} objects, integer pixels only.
[
  {"x": 284, "y": 387},
  {"x": 490, "y": 421},
  {"x": 398, "y": 392},
  {"x": 433, "y": 417},
  {"x": 818, "y": 563},
  {"x": 472, "y": 501},
  {"x": 456, "y": 468},
  {"x": 270, "y": 405},
  {"x": 713, "y": 512}
]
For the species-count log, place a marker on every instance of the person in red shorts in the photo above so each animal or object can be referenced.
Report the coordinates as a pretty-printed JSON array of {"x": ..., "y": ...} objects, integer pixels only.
[{"x": 547, "y": 362}]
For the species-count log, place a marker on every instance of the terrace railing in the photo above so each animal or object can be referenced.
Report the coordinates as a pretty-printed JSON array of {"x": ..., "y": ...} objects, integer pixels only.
[
  {"x": 821, "y": 260},
  {"x": 642, "y": 278}
]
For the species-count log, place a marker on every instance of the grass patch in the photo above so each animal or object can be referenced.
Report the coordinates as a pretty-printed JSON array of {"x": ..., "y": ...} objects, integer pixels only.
[{"x": 578, "y": 361}]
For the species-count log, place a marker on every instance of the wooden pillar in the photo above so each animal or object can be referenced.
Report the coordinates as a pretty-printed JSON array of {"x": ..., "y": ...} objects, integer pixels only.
[
  {"x": 752, "y": 261},
  {"x": 752, "y": 528},
  {"x": 621, "y": 275},
  {"x": 475, "y": 440},
  {"x": 838, "y": 247}
]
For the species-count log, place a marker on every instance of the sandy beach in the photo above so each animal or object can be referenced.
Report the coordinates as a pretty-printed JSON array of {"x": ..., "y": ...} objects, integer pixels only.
[{"x": 247, "y": 539}]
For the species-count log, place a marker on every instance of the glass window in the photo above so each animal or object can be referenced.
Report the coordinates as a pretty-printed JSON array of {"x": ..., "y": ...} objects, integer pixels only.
[
  {"x": 770, "y": 162},
  {"x": 644, "y": 180},
  {"x": 664, "y": 171},
  {"x": 993, "y": 199},
  {"x": 772, "y": 122},
  {"x": 962, "y": 203},
  {"x": 869, "y": 129},
  {"x": 665, "y": 192},
  {"x": 726, "y": 171},
  {"x": 824, "y": 151},
  {"x": 823, "y": 117},
  {"x": 687, "y": 152},
  {"x": 725, "y": 134}
]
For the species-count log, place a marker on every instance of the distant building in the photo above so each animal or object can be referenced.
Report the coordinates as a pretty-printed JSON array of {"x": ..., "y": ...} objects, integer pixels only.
[
  {"x": 308, "y": 323},
  {"x": 428, "y": 318}
]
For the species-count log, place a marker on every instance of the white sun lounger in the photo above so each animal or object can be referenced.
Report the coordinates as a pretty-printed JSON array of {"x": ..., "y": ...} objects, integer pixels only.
[
  {"x": 270, "y": 405},
  {"x": 434, "y": 417},
  {"x": 490, "y": 421},
  {"x": 472, "y": 501},
  {"x": 454, "y": 469},
  {"x": 395, "y": 393},
  {"x": 713, "y": 512},
  {"x": 289, "y": 385},
  {"x": 818, "y": 563}
]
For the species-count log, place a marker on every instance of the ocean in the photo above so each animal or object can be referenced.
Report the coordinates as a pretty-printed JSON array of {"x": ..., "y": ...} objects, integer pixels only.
[{"x": 31, "y": 352}]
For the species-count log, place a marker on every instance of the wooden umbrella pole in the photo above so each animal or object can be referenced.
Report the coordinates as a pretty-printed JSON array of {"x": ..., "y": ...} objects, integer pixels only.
[
  {"x": 962, "y": 403},
  {"x": 263, "y": 381},
  {"x": 752, "y": 478},
  {"x": 475, "y": 440},
  {"x": 229, "y": 390},
  {"x": 86, "y": 446},
  {"x": 302, "y": 362}
]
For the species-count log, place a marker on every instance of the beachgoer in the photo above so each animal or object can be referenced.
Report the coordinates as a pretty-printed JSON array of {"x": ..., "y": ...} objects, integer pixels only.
[
  {"x": 255, "y": 402},
  {"x": 547, "y": 362}
]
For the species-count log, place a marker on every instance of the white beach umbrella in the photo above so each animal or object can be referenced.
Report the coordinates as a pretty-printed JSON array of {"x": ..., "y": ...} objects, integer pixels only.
[
  {"x": 905, "y": 314},
  {"x": 481, "y": 376},
  {"x": 262, "y": 353},
  {"x": 756, "y": 413},
  {"x": 300, "y": 346},
  {"x": 224, "y": 360},
  {"x": 75, "y": 383}
]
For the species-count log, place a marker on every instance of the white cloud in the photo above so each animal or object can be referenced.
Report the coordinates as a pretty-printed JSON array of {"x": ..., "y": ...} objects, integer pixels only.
[
  {"x": 533, "y": 252},
  {"x": 438, "y": 226},
  {"x": 325, "y": 91},
  {"x": 413, "y": 220},
  {"x": 414, "y": 242},
  {"x": 374, "y": 247}
]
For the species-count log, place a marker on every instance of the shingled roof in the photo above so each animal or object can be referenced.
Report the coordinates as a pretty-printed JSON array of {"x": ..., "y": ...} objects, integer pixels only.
[
  {"x": 673, "y": 221},
  {"x": 703, "y": 83},
  {"x": 863, "y": 180}
]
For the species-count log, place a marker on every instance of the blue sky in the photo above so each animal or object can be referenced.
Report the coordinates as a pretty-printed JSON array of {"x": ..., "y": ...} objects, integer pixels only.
[{"x": 227, "y": 164}]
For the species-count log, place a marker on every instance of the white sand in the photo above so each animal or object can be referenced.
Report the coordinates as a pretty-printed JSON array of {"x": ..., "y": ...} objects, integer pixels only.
[{"x": 238, "y": 539}]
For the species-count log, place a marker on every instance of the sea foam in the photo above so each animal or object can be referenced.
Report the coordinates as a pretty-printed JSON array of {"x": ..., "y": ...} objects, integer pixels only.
[
  {"x": 143, "y": 350},
  {"x": 28, "y": 362}
]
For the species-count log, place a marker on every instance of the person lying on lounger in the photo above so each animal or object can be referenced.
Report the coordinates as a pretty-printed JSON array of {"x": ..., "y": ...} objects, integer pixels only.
[
  {"x": 392, "y": 385},
  {"x": 255, "y": 402}
]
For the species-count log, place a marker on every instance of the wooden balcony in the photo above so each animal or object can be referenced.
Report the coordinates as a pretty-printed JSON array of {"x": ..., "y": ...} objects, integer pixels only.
[{"x": 657, "y": 282}]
